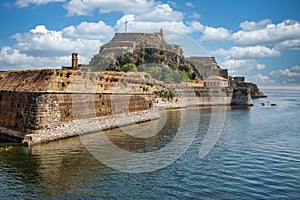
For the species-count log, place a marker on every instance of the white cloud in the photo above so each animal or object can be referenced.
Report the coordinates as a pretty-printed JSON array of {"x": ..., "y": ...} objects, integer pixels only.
[
  {"x": 143, "y": 10},
  {"x": 251, "y": 26},
  {"x": 247, "y": 52},
  {"x": 135, "y": 25},
  {"x": 282, "y": 36},
  {"x": 238, "y": 64},
  {"x": 267, "y": 33},
  {"x": 261, "y": 66},
  {"x": 162, "y": 12},
  {"x": 79, "y": 7},
  {"x": 195, "y": 16},
  {"x": 89, "y": 30},
  {"x": 261, "y": 79},
  {"x": 211, "y": 34},
  {"x": 14, "y": 59},
  {"x": 286, "y": 72},
  {"x": 296, "y": 68},
  {"x": 195, "y": 26},
  {"x": 43, "y": 42},
  {"x": 288, "y": 75},
  {"x": 240, "y": 67},
  {"x": 190, "y": 4},
  {"x": 289, "y": 45},
  {"x": 25, "y": 3}
]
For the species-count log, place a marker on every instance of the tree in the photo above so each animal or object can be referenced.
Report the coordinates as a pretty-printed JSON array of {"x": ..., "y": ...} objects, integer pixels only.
[{"x": 129, "y": 67}]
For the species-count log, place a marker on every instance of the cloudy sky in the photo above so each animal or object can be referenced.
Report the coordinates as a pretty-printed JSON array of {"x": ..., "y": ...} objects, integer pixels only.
[{"x": 256, "y": 38}]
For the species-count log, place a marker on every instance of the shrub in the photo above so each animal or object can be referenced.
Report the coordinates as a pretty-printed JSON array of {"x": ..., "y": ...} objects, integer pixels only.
[
  {"x": 69, "y": 73},
  {"x": 129, "y": 67},
  {"x": 51, "y": 72},
  {"x": 68, "y": 113},
  {"x": 147, "y": 76}
]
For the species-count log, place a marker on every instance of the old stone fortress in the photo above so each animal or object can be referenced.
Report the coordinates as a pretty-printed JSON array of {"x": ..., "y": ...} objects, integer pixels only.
[{"x": 131, "y": 76}]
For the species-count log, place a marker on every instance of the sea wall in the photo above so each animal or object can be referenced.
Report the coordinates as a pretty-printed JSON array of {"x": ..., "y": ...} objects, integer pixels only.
[
  {"x": 188, "y": 96},
  {"x": 89, "y": 125},
  {"x": 241, "y": 97},
  {"x": 24, "y": 113},
  {"x": 43, "y": 105}
]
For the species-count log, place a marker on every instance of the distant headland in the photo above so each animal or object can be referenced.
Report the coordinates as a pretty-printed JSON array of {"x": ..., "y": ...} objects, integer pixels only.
[{"x": 122, "y": 84}]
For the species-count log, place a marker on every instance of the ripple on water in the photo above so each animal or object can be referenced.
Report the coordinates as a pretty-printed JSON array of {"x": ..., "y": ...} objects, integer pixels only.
[{"x": 256, "y": 157}]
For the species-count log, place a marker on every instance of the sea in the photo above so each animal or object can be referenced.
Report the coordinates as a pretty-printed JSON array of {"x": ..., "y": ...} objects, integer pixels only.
[{"x": 195, "y": 153}]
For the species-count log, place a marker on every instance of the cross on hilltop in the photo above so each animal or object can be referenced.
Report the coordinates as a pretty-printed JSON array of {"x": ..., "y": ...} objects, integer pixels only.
[{"x": 126, "y": 22}]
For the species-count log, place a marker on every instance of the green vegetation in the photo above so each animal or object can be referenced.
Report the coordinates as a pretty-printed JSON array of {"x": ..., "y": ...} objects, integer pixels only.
[
  {"x": 169, "y": 66},
  {"x": 185, "y": 75},
  {"x": 51, "y": 72},
  {"x": 129, "y": 67},
  {"x": 165, "y": 94},
  {"x": 69, "y": 73},
  {"x": 166, "y": 74},
  {"x": 64, "y": 84},
  {"x": 68, "y": 113},
  {"x": 147, "y": 76}
]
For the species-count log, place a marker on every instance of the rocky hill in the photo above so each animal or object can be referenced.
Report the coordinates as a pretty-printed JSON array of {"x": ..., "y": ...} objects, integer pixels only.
[
  {"x": 206, "y": 66},
  {"x": 126, "y": 42},
  {"x": 145, "y": 52}
]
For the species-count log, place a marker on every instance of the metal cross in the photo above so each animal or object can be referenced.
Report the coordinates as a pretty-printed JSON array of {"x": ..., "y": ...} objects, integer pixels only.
[{"x": 126, "y": 22}]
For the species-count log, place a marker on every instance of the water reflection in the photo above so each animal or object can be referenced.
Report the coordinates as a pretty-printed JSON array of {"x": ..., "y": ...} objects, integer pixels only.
[
  {"x": 4, "y": 140},
  {"x": 126, "y": 137},
  {"x": 267, "y": 167},
  {"x": 66, "y": 168}
]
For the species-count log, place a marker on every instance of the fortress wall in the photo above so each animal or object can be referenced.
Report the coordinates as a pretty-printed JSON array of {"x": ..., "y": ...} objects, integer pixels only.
[
  {"x": 31, "y": 113},
  {"x": 121, "y": 44},
  {"x": 19, "y": 111},
  {"x": 137, "y": 36},
  {"x": 241, "y": 97}
]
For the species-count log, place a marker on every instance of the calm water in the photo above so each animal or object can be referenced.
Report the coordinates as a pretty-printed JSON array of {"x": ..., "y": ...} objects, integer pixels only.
[{"x": 257, "y": 156}]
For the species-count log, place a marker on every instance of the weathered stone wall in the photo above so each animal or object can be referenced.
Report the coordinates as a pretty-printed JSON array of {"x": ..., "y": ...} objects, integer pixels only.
[
  {"x": 197, "y": 96},
  {"x": 241, "y": 97},
  {"x": 29, "y": 112},
  {"x": 88, "y": 125},
  {"x": 206, "y": 66},
  {"x": 18, "y": 111}
]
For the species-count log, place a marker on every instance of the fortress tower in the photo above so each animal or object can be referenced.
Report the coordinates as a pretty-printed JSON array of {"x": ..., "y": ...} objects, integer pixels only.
[{"x": 74, "y": 61}]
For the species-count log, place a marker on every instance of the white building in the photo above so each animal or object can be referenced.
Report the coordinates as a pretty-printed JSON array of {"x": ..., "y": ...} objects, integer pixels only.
[{"x": 215, "y": 81}]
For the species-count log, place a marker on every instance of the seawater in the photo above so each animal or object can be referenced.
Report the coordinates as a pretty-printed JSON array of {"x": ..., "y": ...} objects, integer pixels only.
[{"x": 256, "y": 156}]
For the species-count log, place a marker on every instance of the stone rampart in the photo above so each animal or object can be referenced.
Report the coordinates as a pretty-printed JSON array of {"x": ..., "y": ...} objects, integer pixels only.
[{"x": 25, "y": 113}]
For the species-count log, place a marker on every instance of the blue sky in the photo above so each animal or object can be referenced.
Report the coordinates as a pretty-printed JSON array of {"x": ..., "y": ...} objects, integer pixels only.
[{"x": 256, "y": 38}]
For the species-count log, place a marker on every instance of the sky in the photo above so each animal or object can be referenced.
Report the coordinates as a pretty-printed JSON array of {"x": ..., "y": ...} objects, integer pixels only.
[{"x": 259, "y": 39}]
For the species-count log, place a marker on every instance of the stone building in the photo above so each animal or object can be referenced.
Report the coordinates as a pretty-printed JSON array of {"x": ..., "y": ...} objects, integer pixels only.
[{"x": 215, "y": 81}]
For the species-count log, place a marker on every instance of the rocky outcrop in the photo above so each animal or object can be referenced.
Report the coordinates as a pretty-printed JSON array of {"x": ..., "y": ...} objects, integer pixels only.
[
  {"x": 127, "y": 42},
  {"x": 254, "y": 90},
  {"x": 241, "y": 97},
  {"x": 206, "y": 66}
]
